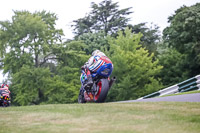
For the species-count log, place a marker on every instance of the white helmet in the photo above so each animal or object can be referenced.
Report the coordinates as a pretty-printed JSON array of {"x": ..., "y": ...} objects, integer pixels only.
[
  {"x": 95, "y": 52},
  {"x": 98, "y": 52}
]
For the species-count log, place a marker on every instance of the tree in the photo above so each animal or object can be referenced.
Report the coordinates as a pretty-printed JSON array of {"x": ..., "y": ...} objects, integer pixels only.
[
  {"x": 183, "y": 34},
  {"x": 29, "y": 85},
  {"x": 71, "y": 54},
  {"x": 61, "y": 92},
  {"x": 134, "y": 68},
  {"x": 32, "y": 86},
  {"x": 104, "y": 16},
  {"x": 150, "y": 38},
  {"x": 28, "y": 39},
  {"x": 174, "y": 70},
  {"x": 68, "y": 72},
  {"x": 42, "y": 68},
  {"x": 94, "y": 41}
]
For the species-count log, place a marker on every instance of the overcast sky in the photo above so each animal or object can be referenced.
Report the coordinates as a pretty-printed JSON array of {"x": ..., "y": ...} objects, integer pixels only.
[{"x": 156, "y": 11}]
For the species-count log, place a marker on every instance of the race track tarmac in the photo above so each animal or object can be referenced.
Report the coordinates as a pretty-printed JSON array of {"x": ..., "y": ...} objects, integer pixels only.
[{"x": 178, "y": 98}]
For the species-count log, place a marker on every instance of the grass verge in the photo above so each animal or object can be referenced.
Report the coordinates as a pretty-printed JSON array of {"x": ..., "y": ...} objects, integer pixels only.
[{"x": 157, "y": 117}]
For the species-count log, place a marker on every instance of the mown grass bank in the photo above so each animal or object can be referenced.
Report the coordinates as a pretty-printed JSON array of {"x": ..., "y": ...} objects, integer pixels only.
[{"x": 158, "y": 117}]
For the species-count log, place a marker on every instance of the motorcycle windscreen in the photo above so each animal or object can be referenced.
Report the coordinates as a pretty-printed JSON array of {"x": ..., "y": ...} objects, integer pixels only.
[{"x": 105, "y": 70}]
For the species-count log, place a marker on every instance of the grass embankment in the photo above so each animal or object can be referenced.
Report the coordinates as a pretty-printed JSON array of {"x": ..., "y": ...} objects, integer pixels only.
[{"x": 162, "y": 117}]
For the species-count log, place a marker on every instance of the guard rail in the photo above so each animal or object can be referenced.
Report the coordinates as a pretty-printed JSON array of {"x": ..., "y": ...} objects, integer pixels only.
[{"x": 187, "y": 85}]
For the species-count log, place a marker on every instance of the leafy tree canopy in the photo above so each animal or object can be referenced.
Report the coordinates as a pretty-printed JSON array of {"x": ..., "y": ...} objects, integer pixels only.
[
  {"x": 94, "y": 41},
  {"x": 150, "y": 38},
  {"x": 104, "y": 16},
  {"x": 134, "y": 68},
  {"x": 183, "y": 34},
  {"x": 174, "y": 69},
  {"x": 27, "y": 38}
]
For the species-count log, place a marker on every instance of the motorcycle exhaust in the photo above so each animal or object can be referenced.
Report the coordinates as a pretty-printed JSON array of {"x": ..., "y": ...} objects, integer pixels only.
[{"x": 113, "y": 79}]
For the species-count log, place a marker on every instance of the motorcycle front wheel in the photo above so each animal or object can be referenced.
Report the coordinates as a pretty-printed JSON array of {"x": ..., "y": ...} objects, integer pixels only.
[{"x": 103, "y": 88}]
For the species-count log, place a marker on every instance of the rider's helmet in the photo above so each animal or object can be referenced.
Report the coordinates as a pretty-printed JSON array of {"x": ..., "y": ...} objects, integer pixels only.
[
  {"x": 98, "y": 52},
  {"x": 4, "y": 86},
  {"x": 95, "y": 52}
]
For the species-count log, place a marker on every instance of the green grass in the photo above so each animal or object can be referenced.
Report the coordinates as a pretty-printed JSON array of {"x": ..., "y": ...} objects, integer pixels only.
[
  {"x": 157, "y": 117},
  {"x": 182, "y": 93}
]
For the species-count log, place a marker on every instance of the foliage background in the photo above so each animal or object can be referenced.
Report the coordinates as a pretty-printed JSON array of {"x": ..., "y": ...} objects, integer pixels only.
[{"x": 42, "y": 68}]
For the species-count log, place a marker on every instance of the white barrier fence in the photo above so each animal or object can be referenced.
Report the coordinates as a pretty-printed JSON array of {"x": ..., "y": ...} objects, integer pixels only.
[{"x": 187, "y": 85}]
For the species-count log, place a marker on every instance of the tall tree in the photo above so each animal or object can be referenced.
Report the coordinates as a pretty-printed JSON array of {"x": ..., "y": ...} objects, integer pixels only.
[
  {"x": 72, "y": 54},
  {"x": 29, "y": 85},
  {"x": 104, "y": 16},
  {"x": 28, "y": 39},
  {"x": 94, "y": 41},
  {"x": 150, "y": 38},
  {"x": 173, "y": 62},
  {"x": 134, "y": 68},
  {"x": 68, "y": 71},
  {"x": 183, "y": 34},
  {"x": 41, "y": 85},
  {"x": 28, "y": 43}
]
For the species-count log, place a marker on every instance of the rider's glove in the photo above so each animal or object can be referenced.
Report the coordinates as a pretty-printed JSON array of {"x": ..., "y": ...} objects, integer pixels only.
[{"x": 83, "y": 67}]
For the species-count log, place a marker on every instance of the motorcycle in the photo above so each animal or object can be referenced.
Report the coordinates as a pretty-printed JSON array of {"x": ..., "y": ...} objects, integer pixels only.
[
  {"x": 5, "y": 99},
  {"x": 101, "y": 85}
]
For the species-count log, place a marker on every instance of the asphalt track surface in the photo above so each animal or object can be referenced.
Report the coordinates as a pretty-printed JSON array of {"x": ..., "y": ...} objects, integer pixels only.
[{"x": 178, "y": 98}]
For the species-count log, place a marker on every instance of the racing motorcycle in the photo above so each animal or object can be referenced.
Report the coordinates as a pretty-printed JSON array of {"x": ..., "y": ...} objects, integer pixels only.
[
  {"x": 5, "y": 99},
  {"x": 101, "y": 85}
]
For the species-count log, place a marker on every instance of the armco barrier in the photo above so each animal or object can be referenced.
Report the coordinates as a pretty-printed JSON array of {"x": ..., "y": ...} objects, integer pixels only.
[{"x": 187, "y": 85}]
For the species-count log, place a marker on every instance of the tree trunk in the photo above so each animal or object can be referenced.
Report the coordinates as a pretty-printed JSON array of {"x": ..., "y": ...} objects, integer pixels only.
[{"x": 36, "y": 61}]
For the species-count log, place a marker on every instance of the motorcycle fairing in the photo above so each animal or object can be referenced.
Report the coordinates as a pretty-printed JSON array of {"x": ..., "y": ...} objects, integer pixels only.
[{"x": 105, "y": 70}]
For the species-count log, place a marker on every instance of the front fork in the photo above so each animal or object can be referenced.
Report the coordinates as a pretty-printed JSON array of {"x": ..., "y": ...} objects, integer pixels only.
[{"x": 90, "y": 93}]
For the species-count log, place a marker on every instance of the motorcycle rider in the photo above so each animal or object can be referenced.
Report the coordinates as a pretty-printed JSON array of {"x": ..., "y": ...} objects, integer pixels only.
[
  {"x": 4, "y": 86},
  {"x": 97, "y": 59}
]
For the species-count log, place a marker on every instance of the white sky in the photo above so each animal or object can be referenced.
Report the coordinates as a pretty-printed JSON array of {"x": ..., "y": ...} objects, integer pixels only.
[{"x": 156, "y": 11}]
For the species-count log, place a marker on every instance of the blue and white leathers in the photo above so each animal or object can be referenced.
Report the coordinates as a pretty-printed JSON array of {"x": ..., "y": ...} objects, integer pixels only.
[
  {"x": 104, "y": 71},
  {"x": 97, "y": 63},
  {"x": 92, "y": 62}
]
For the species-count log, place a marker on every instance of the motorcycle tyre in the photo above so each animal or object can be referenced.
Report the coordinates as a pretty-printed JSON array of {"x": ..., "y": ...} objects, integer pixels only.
[{"x": 104, "y": 91}]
